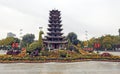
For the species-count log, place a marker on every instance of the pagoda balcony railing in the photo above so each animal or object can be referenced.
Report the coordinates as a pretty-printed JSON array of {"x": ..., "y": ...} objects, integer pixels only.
[
  {"x": 55, "y": 41},
  {"x": 54, "y": 36},
  {"x": 52, "y": 29},
  {"x": 55, "y": 29}
]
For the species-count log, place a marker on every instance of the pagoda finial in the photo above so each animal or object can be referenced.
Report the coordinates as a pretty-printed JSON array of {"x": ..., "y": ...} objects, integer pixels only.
[{"x": 54, "y": 9}]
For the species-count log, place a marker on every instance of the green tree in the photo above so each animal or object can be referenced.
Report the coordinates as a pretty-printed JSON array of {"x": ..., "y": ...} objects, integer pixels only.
[
  {"x": 23, "y": 44},
  {"x": 16, "y": 40},
  {"x": 116, "y": 40},
  {"x": 107, "y": 42},
  {"x": 72, "y": 37},
  {"x": 85, "y": 43},
  {"x": 28, "y": 39},
  {"x": 91, "y": 42},
  {"x": 7, "y": 41}
]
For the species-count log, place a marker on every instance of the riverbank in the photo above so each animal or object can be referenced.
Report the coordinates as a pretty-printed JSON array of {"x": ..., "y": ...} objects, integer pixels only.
[
  {"x": 39, "y": 59},
  {"x": 57, "y": 58},
  {"x": 59, "y": 61}
]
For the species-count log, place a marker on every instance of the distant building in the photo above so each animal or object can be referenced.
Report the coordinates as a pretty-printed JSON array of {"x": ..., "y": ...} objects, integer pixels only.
[{"x": 10, "y": 34}]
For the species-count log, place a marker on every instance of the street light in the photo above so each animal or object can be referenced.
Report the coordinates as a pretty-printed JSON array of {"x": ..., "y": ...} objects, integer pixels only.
[
  {"x": 21, "y": 30},
  {"x": 86, "y": 34},
  {"x": 21, "y": 33},
  {"x": 40, "y": 28}
]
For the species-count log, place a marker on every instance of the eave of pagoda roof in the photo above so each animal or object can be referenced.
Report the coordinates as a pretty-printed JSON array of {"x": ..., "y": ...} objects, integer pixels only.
[
  {"x": 54, "y": 18},
  {"x": 55, "y": 10},
  {"x": 54, "y": 21},
  {"x": 59, "y": 29},
  {"x": 55, "y": 33},
  {"x": 52, "y": 25}
]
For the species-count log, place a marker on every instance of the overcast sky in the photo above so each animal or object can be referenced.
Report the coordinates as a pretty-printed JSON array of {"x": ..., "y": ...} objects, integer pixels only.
[{"x": 98, "y": 17}]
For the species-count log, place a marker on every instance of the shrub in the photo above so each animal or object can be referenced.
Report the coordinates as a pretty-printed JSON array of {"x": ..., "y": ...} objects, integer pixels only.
[
  {"x": 13, "y": 52},
  {"x": 45, "y": 53},
  {"x": 9, "y": 52},
  {"x": 33, "y": 46},
  {"x": 63, "y": 53},
  {"x": 34, "y": 53},
  {"x": 71, "y": 48},
  {"x": 53, "y": 54}
]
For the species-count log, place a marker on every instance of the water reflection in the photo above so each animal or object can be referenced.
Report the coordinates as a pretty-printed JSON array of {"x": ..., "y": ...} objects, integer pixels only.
[{"x": 90, "y": 67}]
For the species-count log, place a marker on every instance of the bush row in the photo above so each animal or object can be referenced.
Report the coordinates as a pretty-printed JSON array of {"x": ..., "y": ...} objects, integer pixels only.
[{"x": 14, "y": 58}]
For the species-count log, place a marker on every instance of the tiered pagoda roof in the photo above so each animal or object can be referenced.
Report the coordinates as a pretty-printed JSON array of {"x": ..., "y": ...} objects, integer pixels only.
[{"x": 54, "y": 34}]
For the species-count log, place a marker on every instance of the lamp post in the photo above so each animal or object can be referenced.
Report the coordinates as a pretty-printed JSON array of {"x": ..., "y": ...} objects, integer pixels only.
[
  {"x": 86, "y": 36},
  {"x": 21, "y": 30},
  {"x": 40, "y": 28}
]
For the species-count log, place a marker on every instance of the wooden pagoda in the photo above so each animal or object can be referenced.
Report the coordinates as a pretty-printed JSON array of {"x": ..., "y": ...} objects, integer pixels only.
[{"x": 54, "y": 38}]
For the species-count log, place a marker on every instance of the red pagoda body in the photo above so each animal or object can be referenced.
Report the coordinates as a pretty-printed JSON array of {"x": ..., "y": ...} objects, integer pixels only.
[{"x": 54, "y": 38}]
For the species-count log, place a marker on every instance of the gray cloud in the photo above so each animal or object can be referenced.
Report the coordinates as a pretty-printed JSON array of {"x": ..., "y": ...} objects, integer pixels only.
[{"x": 98, "y": 17}]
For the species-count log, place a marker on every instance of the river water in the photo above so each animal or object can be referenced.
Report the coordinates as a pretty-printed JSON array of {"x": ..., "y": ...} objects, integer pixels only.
[{"x": 88, "y": 67}]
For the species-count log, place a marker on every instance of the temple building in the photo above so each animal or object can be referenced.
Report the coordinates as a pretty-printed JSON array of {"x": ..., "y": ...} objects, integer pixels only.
[{"x": 54, "y": 38}]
